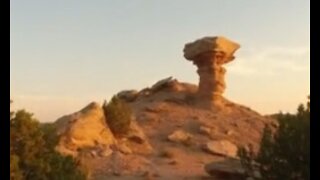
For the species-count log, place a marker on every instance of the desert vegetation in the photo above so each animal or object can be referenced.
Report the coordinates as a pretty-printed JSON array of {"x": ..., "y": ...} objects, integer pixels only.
[
  {"x": 284, "y": 154},
  {"x": 32, "y": 154},
  {"x": 118, "y": 116}
]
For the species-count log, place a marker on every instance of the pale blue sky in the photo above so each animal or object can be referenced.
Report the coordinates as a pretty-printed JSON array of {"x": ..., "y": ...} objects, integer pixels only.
[{"x": 66, "y": 53}]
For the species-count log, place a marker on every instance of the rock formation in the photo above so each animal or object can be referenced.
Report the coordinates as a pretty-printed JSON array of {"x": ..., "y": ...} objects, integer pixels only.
[
  {"x": 209, "y": 54},
  {"x": 169, "y": 136},
  {"x": 222, "y": 147},
  {"x": 86, "y": 128},
  {"x": 226, "y": 169},
  {"x": 128, "y": 95}
]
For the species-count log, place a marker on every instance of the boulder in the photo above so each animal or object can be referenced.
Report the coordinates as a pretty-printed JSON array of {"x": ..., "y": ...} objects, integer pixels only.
[
  {"x": 222, "y": 147},
  {"x": 136, "y": 134},
  {"x": 161, "y": 84},
  {"x": 179, "y": 136},
  {"x": 124, "y": 148},
  {"x": 205, "y": 130},
  {"x": 128, "y": 95},
  {"x": 105, "y": 152},
  {"x": 145, "y": 92},
  {"x": 227, "y": 168},
  {"x": 137, "y": 140},
  {"x": 86, "y": 128}
]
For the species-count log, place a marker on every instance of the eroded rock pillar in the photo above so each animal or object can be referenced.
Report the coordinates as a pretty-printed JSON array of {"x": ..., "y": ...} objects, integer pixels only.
[{"x": 209, "y": 54}]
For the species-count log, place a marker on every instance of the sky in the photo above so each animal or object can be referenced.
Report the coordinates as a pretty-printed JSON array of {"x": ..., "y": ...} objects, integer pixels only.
[{"x": 66, "y": 54}]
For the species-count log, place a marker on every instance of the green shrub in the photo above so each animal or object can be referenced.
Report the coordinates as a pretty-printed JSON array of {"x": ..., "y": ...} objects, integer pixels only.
[
  {"x": 32, "y": 154},
  {"x": 284, "y": 154},
  {"x": 15, "y": 171},
  {"x": 118, "y": 116}
]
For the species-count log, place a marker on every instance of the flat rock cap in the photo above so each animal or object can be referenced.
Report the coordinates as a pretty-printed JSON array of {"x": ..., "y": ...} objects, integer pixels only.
[{"x": 213, "y": 44}]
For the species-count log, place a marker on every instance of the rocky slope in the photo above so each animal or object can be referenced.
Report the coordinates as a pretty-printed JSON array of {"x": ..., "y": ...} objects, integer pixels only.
[
  {"x": 178, "y": 130},
  {"x": 179, "y": 137}
]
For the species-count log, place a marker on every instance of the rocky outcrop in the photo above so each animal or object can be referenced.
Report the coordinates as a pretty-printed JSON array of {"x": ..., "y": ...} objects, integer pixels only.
[
  {"x": 180, "y": 136},
  {"x": 86, "y": 128},
  {"x": 209, "y": 54},
  {"x": 136, "y": 140},
  {"x": 222, "y": 147},
  {"x": 128, "y": 95},
  {"x": 167, "y": 83},
  {"x": 163, "y": 82},
  {"x": 226, "y": 169},
  {"x": 169, "y": 110},
  {"x": 123, "y": 148}
]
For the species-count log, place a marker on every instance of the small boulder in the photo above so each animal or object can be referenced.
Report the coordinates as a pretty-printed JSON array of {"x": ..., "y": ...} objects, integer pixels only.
[
  {"x": 179, "y": 136},
  {"x": 136, "y": 134},
  {"x": 229, "y": 132},
  {"x": 173, "y": 162},
  {"x": 222, "y": 147},
  {"x": 167, "y": 153},
  {"x": 105, "y": 152},
  {"x": 124, "y": 148},
  {"x": 145, "y": 92},
  {"x": 228, "y": 168},
  {"x": 137, "y": 140},
  {"x": 128, "y": 95},
  {"x": 161, "y": 84},
  {"x": 205, "y": 130}
]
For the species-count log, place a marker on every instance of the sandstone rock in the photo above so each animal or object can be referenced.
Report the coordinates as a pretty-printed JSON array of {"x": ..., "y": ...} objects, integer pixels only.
[
  {"x": 229, "y": 132},
  {"x": 105, "y": 152},
  {"x": 86, "y": 128},
  {"x": 208, "y": 54},
  {"x": 173, "y": 162},
  {"x": 175, "y": 86},
  {"x": 145, "y": 92},
  {"x": 136, "y": 134},
  {"x": 152, "y": 109},
  {"x": 210, "y": 44},
  {"x": 128, "y": 95},
  {"x": 168, "y": 153},
  {"x": 225, "y": 169},
  {"x": 162, "y": 83},
  {"x": 93, "y": 153},
  {"x": 137, "y": 140},
  {"x": 222, "y": 147},
  {"x": 205, "y": 130},
  {"x": 124, "y": 148},
  {"x": 179, "y": 136}
]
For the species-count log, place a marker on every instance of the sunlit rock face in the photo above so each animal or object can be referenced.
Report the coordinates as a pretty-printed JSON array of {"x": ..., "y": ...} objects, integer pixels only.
[{"x": 209, "y": 54}]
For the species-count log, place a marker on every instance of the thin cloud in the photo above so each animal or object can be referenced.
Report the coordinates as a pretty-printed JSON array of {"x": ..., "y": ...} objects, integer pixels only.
[{"x": 271, "y": 61}]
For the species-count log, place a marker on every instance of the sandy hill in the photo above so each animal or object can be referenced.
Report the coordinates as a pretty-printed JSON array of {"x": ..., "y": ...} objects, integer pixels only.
[
  {"x": 165, "y": 110},
  {"x": 178, "y": 130}
]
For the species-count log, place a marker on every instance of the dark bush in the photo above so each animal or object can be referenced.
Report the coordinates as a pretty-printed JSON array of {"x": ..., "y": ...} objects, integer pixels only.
[
  {"x": 32, "y": 154},
  {"x": 284, "y": 154},
  {"x": 118, "y": 115}
]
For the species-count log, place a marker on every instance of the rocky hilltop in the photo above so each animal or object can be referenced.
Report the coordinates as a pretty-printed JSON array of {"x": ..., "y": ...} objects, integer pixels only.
[{"x": 178, "y": 130}]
